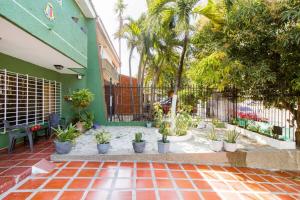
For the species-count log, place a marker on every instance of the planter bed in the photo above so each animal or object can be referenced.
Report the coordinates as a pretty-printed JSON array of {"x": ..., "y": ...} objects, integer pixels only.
[{"x": 279, "y": 144}]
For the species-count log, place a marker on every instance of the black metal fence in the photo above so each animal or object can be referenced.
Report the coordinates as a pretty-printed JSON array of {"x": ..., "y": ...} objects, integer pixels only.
[{"x": 125, "y": 103}]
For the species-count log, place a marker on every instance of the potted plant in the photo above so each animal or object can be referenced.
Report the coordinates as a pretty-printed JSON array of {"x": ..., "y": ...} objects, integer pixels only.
[
  {"x": 81, "y": 99},
  {"x": 149, "y": 124},
  {"x": 230, "y": 140},
  {"x": 65, "y": 139},
  {"x": 138, "y": 144},
  {"x": 103, "y": 141},
  {"x": 164, "y": 143},
  {"x": 215, "y": 144}
]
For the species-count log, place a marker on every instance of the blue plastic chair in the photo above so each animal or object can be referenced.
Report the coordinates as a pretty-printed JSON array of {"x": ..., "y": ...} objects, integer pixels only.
[{"x": 54, "y": 121}]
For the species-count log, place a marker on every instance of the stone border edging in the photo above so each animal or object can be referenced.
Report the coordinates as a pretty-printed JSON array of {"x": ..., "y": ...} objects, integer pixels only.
[
  {"x": 264, "y": 139},
  {"x": 268, "y": 159}
]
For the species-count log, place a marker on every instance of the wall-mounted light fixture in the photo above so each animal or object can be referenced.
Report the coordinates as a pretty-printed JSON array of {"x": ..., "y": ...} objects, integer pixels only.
[
  {"x": 79, "y": 76},
  {"x": 58, "y": 67}
]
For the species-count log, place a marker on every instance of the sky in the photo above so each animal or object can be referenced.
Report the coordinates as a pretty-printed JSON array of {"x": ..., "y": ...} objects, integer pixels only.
[{"x": 105, "y": 9}]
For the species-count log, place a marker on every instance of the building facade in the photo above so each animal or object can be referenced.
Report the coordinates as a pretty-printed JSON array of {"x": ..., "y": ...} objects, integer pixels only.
[{"x": 48, "y": 49}]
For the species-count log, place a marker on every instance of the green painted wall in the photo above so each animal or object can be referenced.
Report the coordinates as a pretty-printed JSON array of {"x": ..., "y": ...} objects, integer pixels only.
[
  {"x": 94, "y": 77},
  {"x": 62, "y": 33},
  {"x": 69, "y": 82}
]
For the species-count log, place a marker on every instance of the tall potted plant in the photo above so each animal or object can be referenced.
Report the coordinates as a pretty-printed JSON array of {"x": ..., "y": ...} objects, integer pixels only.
[
  {"x": 164, "y": 143},
  {"x": 215, "y": 144},
  {"x": 65, "y": 138},
  {"x": 81, "y": 99},
  {"x": 138, "y": 144},
  {"x": 103, "y": 141},
  {"x": 230, "y": 140}
]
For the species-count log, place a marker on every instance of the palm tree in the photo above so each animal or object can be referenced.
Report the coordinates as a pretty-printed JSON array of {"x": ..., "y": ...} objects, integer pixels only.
[
  {"x": 119, "y": 10},
  {"x": 178, "y": 14},
  {"x": 130, "y": 32}
]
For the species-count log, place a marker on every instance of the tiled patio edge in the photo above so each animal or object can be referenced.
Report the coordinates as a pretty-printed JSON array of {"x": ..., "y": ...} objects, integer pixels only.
[{"x": 269, "y": 159}]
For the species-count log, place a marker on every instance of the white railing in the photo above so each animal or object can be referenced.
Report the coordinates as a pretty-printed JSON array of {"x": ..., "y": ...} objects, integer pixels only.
[{"x": 26, "y": 99}]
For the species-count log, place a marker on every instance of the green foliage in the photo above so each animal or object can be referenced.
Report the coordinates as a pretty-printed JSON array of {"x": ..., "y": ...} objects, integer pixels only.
[
  {"x": 102, "y": 137},
  {"x": 82, "y": 98},
  {"x": 231, "y": 136},
  {"x": 234, "y": 121},
  {"x": 66, "y": 135},
  {"x": 158, "y": 113},
  {"x": 212, "y": 135},
  {"x": 217, "y": 123},
  {"x": 88, "y": 119},
  {"x": 138, "y": 137},
  {"x": 164, "y": 130},
  {"x": 188, "y": 98},
  {"x": 195, "y": 121},
  {"x": 183, "y": 121},
  {"x": 253, "y": 127}
]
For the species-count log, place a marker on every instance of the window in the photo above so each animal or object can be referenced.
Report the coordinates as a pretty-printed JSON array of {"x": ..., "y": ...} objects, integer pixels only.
[{"x": 27, "y": 100}]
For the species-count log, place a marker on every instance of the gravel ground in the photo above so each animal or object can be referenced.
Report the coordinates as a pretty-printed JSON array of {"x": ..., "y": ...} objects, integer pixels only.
[{"x": 122, "y": 138}]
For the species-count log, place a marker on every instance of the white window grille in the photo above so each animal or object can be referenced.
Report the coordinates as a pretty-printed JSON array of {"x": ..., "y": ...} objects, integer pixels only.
[{"x": 27, "y": 100}]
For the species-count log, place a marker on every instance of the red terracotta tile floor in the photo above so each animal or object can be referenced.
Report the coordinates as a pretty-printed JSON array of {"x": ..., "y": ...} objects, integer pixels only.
[
  {"x": 17, "y": 166},
  {"x": 137, "y": 180},
  {"x": 152, "y": 180}
]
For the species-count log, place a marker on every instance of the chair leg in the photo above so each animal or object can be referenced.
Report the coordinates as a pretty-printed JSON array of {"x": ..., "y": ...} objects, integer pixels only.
[
  {"x": 30, "y": 141},
  {"x": 10, "y": 144}
]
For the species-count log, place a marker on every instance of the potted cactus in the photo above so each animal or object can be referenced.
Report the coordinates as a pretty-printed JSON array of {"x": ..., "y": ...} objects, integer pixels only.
[
  {"x": 230, "y": 140},
  {"x": 138, "y": 144},
  {"x": 164, "y": 143},
  {"x": 215, "y": 144},
  {"x": 103, "y": 141}
]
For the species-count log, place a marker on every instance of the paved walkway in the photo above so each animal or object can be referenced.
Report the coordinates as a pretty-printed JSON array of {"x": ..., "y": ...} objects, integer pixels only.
[{"x": 145, "y": 181}]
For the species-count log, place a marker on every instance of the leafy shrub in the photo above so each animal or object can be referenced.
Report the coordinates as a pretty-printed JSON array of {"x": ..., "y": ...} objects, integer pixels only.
[
  {"x": 183, "y": 122},
  {"x": 81, "y": 99},
  {"x": 88, "y": 119},
  {"x": 158, "y": 113},
  {"x": 195, "y": 121},
  {"x": 218, "y": 124},
  {"x": 102, "y": 137}
]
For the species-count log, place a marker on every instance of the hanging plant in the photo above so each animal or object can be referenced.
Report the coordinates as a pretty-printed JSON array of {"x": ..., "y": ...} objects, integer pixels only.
[{"x": 82, "y": 98}]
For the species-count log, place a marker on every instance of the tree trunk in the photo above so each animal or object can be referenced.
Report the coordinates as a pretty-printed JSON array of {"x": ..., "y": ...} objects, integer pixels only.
[
  {"x": 178, "y": 81},
  {"x": 139, "y": 82},
  {"x": 153, "y": 86},
  {"x": 130, "y": 83},
  {"x": 297, "y": 132}
]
